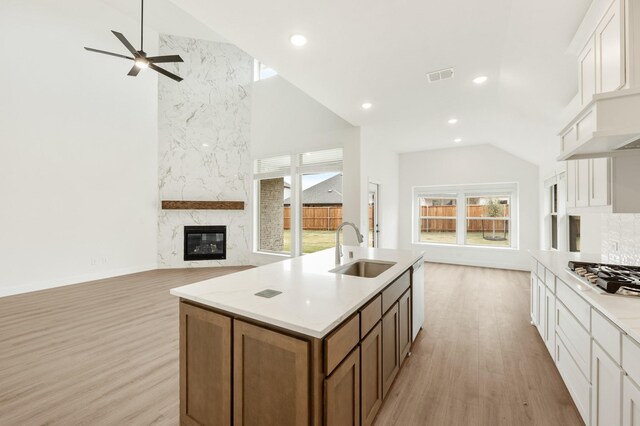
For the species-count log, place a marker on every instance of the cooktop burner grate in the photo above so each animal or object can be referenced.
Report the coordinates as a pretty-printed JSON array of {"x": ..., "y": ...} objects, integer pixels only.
[{"x": 614, "y": 279}]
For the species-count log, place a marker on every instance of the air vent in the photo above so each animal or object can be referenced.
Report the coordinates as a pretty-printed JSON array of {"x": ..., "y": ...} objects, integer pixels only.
[{"x": 440, "y": 75}]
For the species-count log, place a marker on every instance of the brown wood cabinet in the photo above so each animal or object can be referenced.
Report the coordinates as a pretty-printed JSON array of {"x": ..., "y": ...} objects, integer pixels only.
[
  {"x": 371, "y": 375},
  {"x": 404, "y": 314},
  {"x": 342, "y": 393},
  {"x": 205, "y": 369},
  {"x": 270, "y": 377},
  {"x": 390, "y": 348}
]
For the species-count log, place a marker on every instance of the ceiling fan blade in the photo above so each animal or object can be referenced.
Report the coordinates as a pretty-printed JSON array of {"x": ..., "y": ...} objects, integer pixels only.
[
  {"x": 126, "y": 43},
  {"x": 108, "y": 53},
  {"x": 165, "y": 72},
  {"x": 168, "y": 58},
  {"x": 134, "y": 70}
]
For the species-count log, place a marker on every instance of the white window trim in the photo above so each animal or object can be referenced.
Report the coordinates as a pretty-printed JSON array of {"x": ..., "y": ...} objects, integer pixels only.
[
  {"x": 296, "y": 170},
  {"x": 460, "y": 193}
]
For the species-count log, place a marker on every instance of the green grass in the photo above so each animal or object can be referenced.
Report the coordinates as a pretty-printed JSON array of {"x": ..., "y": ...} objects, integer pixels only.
[
  {"x": 312, "y": 240},
  {"x": 473, "y": 238}
]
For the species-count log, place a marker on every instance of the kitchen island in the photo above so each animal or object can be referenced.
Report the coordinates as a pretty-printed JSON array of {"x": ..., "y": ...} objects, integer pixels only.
[{"x": 297, "y": 342}]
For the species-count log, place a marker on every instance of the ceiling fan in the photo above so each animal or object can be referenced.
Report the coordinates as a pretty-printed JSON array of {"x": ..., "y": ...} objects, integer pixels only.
[{"x": 140, "y": 58}]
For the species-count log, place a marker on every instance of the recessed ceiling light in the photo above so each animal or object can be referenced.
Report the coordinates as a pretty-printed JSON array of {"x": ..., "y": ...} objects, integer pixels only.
[
  {"x": 480, "y": 79},
  {"x": 298, "y": 40},
  {"x": 205, "y": 145},
  {"x": 457, "y": 140},
  {"x": 452, "y": 121},
  {"x": 367, "y": 105}
]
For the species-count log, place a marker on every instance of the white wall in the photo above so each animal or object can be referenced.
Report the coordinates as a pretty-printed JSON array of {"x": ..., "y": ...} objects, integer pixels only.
[
  {"x": 472, "y": 165},
  {"x": 380, "y": 165},
  {"x": 78, "y": 152},
  {"x": 285, "y": 120}
]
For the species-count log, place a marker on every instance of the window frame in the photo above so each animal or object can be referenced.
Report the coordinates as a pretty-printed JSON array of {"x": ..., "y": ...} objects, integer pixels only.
[
  {"x": 461, "y": 193},
  {"x": 450, "y": 196}
]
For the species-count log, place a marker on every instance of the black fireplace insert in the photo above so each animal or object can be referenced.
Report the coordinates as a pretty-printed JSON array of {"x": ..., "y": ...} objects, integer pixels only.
[{"x": 205, "y": 242}]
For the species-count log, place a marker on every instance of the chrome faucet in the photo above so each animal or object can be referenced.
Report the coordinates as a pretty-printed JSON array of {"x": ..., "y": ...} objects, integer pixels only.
[{"x": 338, "y": 246}]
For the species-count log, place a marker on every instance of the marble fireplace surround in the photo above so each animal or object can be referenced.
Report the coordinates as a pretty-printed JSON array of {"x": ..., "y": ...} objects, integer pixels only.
[{"x": 204, "y": 147}]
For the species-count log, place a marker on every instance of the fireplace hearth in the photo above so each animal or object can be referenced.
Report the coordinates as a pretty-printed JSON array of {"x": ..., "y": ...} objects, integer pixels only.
[{"x": 205, "y": 242}]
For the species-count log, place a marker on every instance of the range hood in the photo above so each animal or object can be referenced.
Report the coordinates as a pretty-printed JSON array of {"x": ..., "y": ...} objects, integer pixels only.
[{"x": 608, "y": 126}]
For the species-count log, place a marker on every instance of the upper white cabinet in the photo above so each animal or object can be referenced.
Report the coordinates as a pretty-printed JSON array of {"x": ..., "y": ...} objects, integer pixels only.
[
  {"x": 603, "y": 119},
  {"x": 599, "y": 181},
  {"x": 589, "y": 183},
  {"x": 609, "y": 44}
]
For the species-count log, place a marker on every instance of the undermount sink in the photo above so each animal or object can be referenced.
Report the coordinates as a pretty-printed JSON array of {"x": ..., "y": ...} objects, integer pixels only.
[{"x": 363, "y": 268}]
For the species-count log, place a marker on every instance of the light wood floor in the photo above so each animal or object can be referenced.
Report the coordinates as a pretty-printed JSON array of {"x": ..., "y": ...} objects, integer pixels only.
[{"x": 106, "y": 353}]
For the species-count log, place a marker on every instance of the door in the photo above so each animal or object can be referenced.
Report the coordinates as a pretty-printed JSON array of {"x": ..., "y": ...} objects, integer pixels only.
[
  {"x": 599, "y": 176},
  {"x": 587, "y": 72},
  {"x": 606, "y": 396},
  {"x": 270, "y": 377},
  {"x": 582, "y": 183},
  {"x": 390, "y": 348},
  {"x": 404, "y": 327},
  {"x": 630, "y": 403},
  {"x": 371, "y": 375},
  {"x": 541, "y": 314},
  {"x": 534, "y": 299},
  {"x": 342, "y": 393},
  {"x": 571, "y": 183},
  {"x": 610, "y": 49},
  {"x": 205, "y": 370},
  {"x": 374, "y": 229},
  {"x": 550, "y": 322}
]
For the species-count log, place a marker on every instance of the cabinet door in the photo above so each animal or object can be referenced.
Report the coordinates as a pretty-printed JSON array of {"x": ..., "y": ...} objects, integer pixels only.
[
  {"x": 606, "y": 392},
  {"x": 630, "y": 403},
  {"x": 571, "y": 183},
  {"x": 371, "y": 375},
  {"x": 390, "y": 348},
  {"x": 342, "y": 393},
  {"x": 610, "y": 49},
  {"x": 587, "y": 72},
  {"x": 550, "y": 322},
  {"x": 599, "y": 179},
  {"x": 205, "y": 370},
  {"x": 270, "y": 377},
  {"x": 535, "y": 301},
  {"x": 541, "y": 314},
  {"x": 404, "y": 314},
  {"x": 582, "y": 183}
]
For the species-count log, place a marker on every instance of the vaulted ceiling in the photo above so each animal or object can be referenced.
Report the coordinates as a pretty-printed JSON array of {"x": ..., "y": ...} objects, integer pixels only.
[{"x": 381, "y": 51}]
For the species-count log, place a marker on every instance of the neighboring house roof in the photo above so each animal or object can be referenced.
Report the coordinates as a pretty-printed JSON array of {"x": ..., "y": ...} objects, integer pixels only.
[{"x": 326, "y": 192}]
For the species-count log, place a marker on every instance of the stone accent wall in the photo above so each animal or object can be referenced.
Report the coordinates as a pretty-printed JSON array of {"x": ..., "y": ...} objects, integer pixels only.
[{"x": 271, "y": 214}]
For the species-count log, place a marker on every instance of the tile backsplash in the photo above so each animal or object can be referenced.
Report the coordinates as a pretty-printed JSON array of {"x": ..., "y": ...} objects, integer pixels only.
[{"x": 621, "y": 238}]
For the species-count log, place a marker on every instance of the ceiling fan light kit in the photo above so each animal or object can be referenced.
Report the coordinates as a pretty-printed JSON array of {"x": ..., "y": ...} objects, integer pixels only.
[{"x": 140, "y": 58}]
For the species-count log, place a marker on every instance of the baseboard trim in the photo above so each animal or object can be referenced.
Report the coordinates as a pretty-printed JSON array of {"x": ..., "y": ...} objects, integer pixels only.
[{"x": 76, "y": 279}]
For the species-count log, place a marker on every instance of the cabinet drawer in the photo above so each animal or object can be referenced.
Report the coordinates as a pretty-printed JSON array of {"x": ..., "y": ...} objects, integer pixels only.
[
  {"x": 576, "y": 305},
  {"x": 370, "y": 315},
  {"x": 541, "y": 271},
  {"x": 578, "y": 386},
  {"x": 608, "y": 336},
  {"x": 550, "y": 281},
  {"x": 339, "y": 343},
  {"x": 392, "y": 293},
  {"x": 631, "y": 358},
  {"x": 575, "y": 338}
]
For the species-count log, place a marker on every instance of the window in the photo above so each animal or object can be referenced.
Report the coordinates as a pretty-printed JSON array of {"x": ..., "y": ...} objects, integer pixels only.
[
  {"x": 574, "y": 234},
  {"x": 298, "y": 202},
  {"x": 553, "y": 203},
  {"x": 261, "y": 71},
  {"x": 438, "y": 217},
  {"x": 488, "y": 221},
  {"x": 472, "y": 215}
]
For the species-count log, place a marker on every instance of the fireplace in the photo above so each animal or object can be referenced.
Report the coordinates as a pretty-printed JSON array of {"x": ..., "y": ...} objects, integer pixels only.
[{"x": 205, "y": 242}]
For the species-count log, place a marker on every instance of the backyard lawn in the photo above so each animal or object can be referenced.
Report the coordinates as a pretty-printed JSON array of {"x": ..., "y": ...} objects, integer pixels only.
[
  {"x": 473, "y": 238},
  {"x": 312, "y": 240}
]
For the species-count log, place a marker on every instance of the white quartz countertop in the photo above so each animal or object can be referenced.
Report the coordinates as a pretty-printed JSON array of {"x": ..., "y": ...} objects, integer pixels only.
[
  {"x": 622, "y": 311},
  {"x": 313, "y": 300}
]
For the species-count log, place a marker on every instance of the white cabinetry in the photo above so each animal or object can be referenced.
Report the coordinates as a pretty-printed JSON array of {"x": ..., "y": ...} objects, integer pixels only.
[
  {"x": 587, "y": 72},
  {"x": 589, "y": 183},
  {"x": 630, "y": 403},
  {"x": 610, "y": 49},
  {"x": 606, "y": 389}
]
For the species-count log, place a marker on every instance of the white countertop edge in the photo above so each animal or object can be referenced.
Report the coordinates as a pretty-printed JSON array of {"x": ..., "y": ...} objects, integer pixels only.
[
  {"x": 393, "y": 273},
  {"x": 606, "y": 304}
]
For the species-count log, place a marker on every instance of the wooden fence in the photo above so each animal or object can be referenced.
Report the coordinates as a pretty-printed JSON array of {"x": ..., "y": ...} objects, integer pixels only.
[
  {"x": 317, "y": 218},
  {"x": 449, "y": 225}
]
